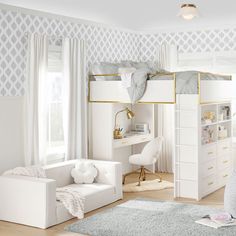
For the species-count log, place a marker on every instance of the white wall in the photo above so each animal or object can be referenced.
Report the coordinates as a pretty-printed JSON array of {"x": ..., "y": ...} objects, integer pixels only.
[{"x": 11, "y": 132}]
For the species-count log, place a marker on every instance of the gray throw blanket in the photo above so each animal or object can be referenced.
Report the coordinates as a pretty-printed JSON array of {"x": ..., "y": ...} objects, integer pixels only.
[{"x": 138, "y": 85}]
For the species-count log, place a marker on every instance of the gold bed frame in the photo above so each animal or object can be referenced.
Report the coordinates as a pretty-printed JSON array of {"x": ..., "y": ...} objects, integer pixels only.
[{"x": 161, "y": 74}]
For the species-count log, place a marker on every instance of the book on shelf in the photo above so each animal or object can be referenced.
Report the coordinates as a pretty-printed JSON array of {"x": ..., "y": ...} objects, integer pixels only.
[{"x": 216, "y": 221}]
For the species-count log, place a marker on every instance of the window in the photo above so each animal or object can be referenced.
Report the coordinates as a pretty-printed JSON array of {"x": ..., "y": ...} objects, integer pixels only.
[{"x": 54, "y": 107}]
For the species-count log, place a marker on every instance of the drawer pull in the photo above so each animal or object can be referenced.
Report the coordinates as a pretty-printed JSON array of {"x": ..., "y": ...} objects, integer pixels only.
[
  {"x": 225, "y": 148},
  {"x": 124, "y": 142},
  {"x": 211, "y": 167},
  {"x": 209, "y": 153},
  {"x": 225, "y": 162},
  {"x": 210, "y": 183},
  {"x": 224, "y": 176}
]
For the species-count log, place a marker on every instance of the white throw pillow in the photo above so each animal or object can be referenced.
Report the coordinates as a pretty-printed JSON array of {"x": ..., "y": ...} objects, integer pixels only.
[{"x": 84, "y": 172}]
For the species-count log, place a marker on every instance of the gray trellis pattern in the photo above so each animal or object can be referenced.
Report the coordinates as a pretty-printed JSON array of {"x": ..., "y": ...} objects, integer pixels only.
[
  {"x": 103, "y": 44},
  {"x": 200, "y": 41}
]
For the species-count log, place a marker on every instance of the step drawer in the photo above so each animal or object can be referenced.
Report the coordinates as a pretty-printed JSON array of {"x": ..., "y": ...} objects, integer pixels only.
[
  {"x": 209, "y": 152},
  {"x": 224, "y": 162},
  {"x": 209, "y": 184},
  {"x": 209, "y": 168},
  {"x": 224, "y": 176},
  {"x": 223, "y": 147}
]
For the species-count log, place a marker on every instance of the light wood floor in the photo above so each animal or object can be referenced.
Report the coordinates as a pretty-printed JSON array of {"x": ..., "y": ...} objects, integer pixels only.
[{"x": 10, "y": 229}]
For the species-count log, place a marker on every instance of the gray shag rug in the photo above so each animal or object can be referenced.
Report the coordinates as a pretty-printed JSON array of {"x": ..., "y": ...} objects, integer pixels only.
[{"x": 142, "y": 217}]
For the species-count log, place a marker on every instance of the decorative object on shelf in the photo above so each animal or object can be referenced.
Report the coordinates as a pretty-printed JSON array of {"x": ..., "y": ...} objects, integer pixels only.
[
  {"x": 117, "y": 131},
  {"x": 207, "y": 135},
  {"x": 224, "y": 113},
  {"x": 188, "y": 11},
  {"x": 209, "y": 117},
  {"x": 222, "y": 132}
]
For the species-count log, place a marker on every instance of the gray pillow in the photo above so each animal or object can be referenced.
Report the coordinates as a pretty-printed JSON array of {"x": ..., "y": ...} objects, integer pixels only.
[
  {"x": 230, "y": 195},
  {"x": 105, "y": 68}
]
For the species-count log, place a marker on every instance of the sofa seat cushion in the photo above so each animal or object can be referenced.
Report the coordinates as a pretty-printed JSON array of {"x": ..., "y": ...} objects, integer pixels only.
[{"x": 96, "y": 195}]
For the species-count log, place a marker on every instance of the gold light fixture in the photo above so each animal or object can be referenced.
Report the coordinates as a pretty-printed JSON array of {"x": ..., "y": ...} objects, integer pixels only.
[
  {"x": 188, "y": 11},
  {"x": 117, "y": 131}
]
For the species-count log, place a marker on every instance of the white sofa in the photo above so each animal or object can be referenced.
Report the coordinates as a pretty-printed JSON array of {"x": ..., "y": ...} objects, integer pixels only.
[{"x": 32, "y": 201}]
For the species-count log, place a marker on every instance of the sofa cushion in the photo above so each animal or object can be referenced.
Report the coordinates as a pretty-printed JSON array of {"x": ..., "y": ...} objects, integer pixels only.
[{"x": 96, "y": 195}]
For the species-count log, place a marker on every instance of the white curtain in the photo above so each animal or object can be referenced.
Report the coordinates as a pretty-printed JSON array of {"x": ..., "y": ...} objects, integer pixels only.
[
  {"x": 75, "y": 100},
  {"x": 35, "y": 128},
  {"x": 167, "y": 57},
  {"x": 167, "y": 61}
]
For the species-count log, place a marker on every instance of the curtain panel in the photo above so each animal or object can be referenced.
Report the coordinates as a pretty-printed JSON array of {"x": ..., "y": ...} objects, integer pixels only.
[
  {"x": 75, "y": 99},
  {"x": 35, "y": 128}
]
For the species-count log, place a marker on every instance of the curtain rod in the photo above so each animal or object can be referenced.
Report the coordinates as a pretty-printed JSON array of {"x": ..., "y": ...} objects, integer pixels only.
[{"x": 50, "y": 36}]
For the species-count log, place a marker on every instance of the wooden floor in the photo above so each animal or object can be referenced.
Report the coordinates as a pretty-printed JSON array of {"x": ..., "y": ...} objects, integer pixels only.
[{"x": 10, "y": 229}]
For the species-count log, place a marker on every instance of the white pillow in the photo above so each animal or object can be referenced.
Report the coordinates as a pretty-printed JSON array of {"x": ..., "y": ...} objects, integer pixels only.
[{"x": 84, "y": 172}]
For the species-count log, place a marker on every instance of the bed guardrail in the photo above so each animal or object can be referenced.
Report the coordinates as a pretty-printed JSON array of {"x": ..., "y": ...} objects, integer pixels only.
[
  {"x": 214, "y": 91},
  {"x": 153, "y": 94}
]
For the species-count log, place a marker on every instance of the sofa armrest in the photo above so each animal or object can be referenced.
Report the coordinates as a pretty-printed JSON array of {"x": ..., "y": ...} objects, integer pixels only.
[
  {"x": 110, "y": 172},
  {"x": 28, "y": 200}
]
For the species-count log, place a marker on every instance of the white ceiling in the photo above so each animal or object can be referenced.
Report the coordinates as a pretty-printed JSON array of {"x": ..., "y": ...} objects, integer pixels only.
[{"x": 143, "y": 15}]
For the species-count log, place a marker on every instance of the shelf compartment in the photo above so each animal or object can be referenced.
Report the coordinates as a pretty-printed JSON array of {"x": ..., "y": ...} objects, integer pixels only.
[
  {"x": 224, "y": 112},
  {"x": 209, "y": 134},
  {"x": 209, "y": 114}
]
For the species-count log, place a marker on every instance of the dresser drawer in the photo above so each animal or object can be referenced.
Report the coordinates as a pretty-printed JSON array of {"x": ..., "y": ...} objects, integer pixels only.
[
  {"x": 223, "y": 176},
  {"x": 208, "y": 168},
  {"x": 209, "y": 184},
  {"x": 224, "y": 162},
  {"x": 208, "y": 152},
  {"x": 223, "y": 147}
]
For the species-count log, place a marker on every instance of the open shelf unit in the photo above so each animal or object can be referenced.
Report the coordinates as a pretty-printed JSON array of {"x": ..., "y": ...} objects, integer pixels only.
[{"x": 215, "y": 122}]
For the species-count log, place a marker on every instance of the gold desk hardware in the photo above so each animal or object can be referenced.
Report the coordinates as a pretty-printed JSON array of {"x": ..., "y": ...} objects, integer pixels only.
[
  {"x": 209, "y": 168},
  {"x": 210, "y": 183},
  {"x": 117, "y": 132}
]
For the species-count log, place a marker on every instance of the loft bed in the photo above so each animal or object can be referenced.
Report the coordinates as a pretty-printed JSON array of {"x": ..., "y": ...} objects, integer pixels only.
[
  {"x": 163, "y": 87},
  {"x": 202, "y": 121}
]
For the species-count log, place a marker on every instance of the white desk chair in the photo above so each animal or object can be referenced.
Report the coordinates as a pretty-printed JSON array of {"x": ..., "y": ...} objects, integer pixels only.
[{"x": 149, "y": 156}]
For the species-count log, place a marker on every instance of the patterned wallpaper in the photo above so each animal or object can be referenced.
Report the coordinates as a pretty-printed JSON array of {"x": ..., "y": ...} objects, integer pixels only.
[
  {"x": 103, "y": 44},
  {"x": 214, "y": 40}
]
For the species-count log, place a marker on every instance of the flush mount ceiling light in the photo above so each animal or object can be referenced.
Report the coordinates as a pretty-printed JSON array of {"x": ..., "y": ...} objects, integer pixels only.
[{"x": 188, "y": 11}]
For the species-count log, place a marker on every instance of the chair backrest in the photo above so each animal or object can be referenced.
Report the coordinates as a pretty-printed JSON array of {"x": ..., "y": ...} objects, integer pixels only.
[{"x": 152, "y": 149}]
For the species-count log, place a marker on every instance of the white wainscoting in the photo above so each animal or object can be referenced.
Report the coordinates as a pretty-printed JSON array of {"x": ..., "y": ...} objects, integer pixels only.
[{"x": 11, "y": 132}]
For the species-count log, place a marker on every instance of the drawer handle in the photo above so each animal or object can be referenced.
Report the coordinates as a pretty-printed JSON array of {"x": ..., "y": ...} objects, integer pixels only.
[
  {"x": 209, "y": 153},
  {"x": 210, "y": 183},
  {"x": 225, "y": 162},
  {"x": 224, "y": 176},
  {"x": 209, "y": 168},
  {"x": 124, "y": 142},
  {"x": 225, "y": 148}
]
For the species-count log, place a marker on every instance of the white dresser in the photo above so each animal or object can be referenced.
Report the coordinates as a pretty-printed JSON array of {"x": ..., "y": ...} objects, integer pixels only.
[{"x": 203, "y": 141}]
